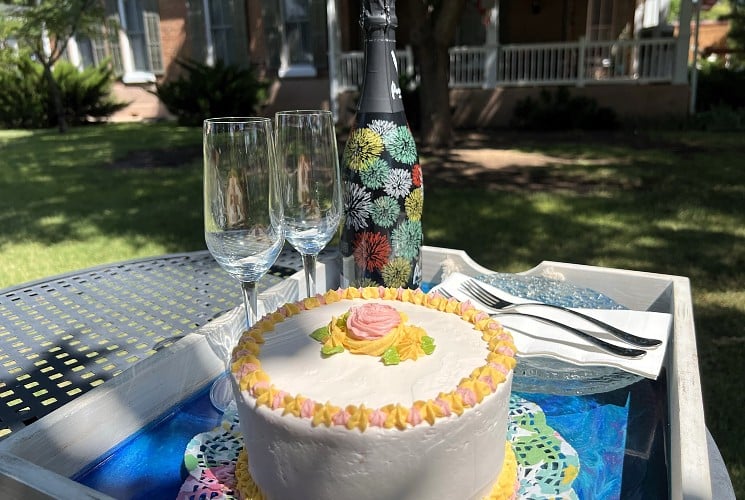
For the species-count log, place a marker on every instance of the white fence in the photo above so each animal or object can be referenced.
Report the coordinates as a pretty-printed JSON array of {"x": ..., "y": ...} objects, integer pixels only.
[
  {"x": 575, "y": 63},
  {"x": 352, "y": 67}
]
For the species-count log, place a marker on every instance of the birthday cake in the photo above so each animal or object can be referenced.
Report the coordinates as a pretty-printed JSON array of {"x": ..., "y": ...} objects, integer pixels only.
[{"x": 373, "y": 393}]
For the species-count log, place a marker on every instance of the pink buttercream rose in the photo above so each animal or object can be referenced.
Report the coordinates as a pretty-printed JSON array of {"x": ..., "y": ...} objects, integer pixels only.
[
  {"x": 279, "y": 398},
  {"x": 506, "y": 350},
  {"x": 444, "y": 406},
  {"x": 308, "y": 408},
  {"x": 371, "y": 321},
  {"x": 378, "y": 418},
  {"x": 480, "y": 316},
  {"x": 415, "y": 418},
  {"x": 468, "y": 396},
  {"x": 248, "y": 368},
  {"x": 341, "y": 418},
  {"x": 489, "y": 381},
  {"x": 499, "y": 368}
]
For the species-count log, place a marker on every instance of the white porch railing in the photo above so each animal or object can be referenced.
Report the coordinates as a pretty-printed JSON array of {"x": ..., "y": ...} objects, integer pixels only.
[
  {"x": 573, "y": 63},
  {"x": 352, "y": 67}
]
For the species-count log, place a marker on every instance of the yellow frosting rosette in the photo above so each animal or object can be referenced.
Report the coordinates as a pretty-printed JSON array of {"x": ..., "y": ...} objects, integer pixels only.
[{"x": 375, "y": 329}]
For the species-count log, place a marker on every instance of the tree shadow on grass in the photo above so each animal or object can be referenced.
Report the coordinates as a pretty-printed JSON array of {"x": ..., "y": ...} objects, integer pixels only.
[
  {"x": 138, "y": 183},
  {"x": 158, "y": 158}
]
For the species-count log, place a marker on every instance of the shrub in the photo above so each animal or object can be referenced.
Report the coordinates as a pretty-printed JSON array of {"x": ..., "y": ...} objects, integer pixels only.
[
  {"x": 719, "y": 86},
  {"x": 85, "y": 94},
  {"x": 208, "y": 91},
  {"x": 562, "y": 111},
  {"x": 719, "y": 119},
  {"x": 25, "y": 101}
]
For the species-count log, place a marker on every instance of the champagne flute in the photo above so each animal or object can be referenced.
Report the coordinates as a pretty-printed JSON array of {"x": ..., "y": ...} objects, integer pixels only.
[
  {"x": 311, "y": 193},
  {"x": 243, "y": 224}
]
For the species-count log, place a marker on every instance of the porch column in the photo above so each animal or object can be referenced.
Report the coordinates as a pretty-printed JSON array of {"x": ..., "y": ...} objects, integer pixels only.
[
  {"x": 682, "y": 44},
  {"x": 210, "y": 45},
  {"x": 492, "y": 48},
  {"x": 334, "y": 41}
]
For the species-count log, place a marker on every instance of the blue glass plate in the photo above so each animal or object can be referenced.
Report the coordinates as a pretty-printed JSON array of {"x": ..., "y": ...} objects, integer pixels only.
[{"x": 553, "y": 376}]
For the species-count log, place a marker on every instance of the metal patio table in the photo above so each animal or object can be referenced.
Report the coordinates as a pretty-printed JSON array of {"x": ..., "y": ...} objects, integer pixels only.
[
  {"x": 61, "y": 337},
  {"x": 64, "y": 335}
]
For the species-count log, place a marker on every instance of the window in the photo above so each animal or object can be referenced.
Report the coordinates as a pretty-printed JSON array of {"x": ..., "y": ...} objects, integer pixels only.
[
  {"x": 112, "y": 40},
  {"x": 92, "y": 51},
  {"x": 303, "y": 44},
  {"x": 222, "y": 31},
  {"x": 296, "y": 15},
  {"x": 217, "y": 31},
  {"x": 600, "y": 20},
  {"x": 141, "y": 21},
  {"x": 131, "y": 38}
]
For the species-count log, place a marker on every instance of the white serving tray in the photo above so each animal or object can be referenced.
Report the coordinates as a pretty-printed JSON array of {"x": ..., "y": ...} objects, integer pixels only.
[{"x": 37, "y": 461}]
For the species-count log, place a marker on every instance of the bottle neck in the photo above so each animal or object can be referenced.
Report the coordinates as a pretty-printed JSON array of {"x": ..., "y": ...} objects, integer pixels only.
[{"x": 381, "y": 91}]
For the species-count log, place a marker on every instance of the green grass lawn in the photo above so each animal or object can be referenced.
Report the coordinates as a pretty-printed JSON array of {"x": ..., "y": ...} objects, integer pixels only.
[
  {"x": 667, "y": 202},
  {"x": 65, "y": 205}
]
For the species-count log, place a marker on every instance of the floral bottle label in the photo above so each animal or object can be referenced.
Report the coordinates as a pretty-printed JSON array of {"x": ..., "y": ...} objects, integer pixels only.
[{"x": 383, "y": 200}]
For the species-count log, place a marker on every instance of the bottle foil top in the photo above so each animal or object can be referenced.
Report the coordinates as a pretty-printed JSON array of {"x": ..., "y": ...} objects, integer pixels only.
[{"x": 378, "y": 13}]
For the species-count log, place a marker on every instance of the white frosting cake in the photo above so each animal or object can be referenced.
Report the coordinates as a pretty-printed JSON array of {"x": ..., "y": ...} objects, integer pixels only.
[{"x": 320, "y": 421}]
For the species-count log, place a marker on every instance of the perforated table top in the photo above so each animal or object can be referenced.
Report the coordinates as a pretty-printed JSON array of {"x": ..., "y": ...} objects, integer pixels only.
[{"x": 63, "y": 336}]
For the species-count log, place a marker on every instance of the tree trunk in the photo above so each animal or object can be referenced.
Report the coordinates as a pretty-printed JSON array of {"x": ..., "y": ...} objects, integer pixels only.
[
  {"x": 439, "y": 129},
  {"x": 56, "y": 98},
  {"x": 432, "y": 32}
]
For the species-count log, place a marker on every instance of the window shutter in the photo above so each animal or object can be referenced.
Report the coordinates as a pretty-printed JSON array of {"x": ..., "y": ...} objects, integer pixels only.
[
  {"x": 318, "y": 28},
  {"x": 98, "y": 47},
  {"x": 151, "y": 19},
  {"x": 239, "y": 35},
  {"x": 223, "y": 20},
  {"x": 195, "y": 28},
  {"x": 273, "y": 29},
  {"x": 113, "y": 23}
]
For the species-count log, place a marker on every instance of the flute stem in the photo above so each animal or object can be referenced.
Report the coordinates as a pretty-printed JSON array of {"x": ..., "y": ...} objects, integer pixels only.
[
  {"x": 249, "y": 301},
  {"x": 309, "y": 265}
]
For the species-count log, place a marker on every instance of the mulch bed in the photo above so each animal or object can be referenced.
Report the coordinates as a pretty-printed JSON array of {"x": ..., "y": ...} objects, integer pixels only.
[{"x": 158, "y": 158}]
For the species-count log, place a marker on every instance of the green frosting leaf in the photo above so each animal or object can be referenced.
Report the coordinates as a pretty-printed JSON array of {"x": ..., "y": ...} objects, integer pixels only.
[
  {"x": 190, "y": 462},
  {"x": 330, "y": 351},
  {"x": 390, "y": 356},
  {"x": 320, "y": 334},
  {"x": 341, "y": 321},
  {"x": 428, "y": 345}
]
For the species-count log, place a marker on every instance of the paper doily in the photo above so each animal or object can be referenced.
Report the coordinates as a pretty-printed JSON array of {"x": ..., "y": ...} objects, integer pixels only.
[
  {"x": 210, "y": 459},
  {"x": 547, "y": 463}
]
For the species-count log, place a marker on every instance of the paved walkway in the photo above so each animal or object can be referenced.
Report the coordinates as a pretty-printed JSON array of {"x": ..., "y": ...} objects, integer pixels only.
[{"x": 491, "y": 160}]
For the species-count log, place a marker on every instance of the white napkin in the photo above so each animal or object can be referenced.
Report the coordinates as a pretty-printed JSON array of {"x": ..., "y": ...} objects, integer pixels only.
[{"x": 534, "y": 338}]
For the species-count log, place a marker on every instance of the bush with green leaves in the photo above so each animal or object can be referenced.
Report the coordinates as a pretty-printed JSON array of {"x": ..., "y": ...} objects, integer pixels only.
[
  {"x": 22, "y": 101},
  {"x": 718, "y": 119},
  {"x": 25, "y": 101},
  {"x": 562, "y": 111},
  {"x": 719, "y": 86},
  {"x": 207, "y": 91},
  {"x": 86, "y": 95}
]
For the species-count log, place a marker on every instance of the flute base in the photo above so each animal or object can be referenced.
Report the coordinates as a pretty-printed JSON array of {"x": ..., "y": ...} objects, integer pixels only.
[{"x": 221, "y": 393}]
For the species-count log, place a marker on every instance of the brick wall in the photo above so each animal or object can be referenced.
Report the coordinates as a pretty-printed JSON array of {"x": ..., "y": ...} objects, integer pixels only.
[{"x": 173, "y": 34}]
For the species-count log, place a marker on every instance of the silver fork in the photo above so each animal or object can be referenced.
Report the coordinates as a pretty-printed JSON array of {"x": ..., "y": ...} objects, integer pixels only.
[
  {"x": 474, "y": 289},
  {"x": 625, "y": 352}
]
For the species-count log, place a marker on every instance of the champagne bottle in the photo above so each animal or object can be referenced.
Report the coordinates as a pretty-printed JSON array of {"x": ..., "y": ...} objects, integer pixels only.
[{"x": 381, "y": 238}]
